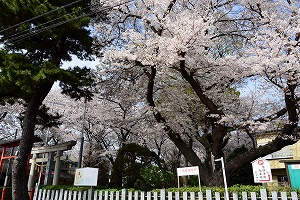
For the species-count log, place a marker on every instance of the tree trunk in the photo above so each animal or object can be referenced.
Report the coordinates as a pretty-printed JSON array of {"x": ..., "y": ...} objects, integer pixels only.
[
  {"x": 216, "y": 179},
  {"x": 19, "y": 173}
]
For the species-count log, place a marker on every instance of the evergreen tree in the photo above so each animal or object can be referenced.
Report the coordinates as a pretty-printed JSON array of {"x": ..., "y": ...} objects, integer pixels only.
[{"x": 36, "y": 37}]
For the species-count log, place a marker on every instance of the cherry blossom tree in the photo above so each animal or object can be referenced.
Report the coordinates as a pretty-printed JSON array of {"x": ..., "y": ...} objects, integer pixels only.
[
  {"x": 193, "y": 59},
  {"x": 116, "y": 116},
  {"x": 9, "y": 122}
]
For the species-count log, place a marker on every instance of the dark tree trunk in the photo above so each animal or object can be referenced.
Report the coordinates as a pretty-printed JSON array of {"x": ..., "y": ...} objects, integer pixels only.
[
  {"x": 19, "y": 174},
  {"x": 19, "y": 171}
]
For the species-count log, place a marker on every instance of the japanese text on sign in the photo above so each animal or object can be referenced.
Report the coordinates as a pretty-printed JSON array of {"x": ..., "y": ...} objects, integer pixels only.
[
  {"x": 261, "y": 171},
  {"x": 185, "y": 171}
]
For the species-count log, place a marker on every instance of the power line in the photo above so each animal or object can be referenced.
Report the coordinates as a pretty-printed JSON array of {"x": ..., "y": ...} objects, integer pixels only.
[
  {"x": 40, "y": 15},
  {"x": 11, "y": 37},
  {"x": 35, "y": 32},
  {"x": 27, "y": 35}
]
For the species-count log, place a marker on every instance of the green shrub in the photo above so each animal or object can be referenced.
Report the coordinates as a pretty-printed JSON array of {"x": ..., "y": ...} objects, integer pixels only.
[{"x": 157, "y": 178}]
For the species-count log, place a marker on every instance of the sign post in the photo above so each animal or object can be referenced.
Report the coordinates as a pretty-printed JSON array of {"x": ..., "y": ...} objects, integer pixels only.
[
  {"x": 186, "y": 171},
  {"x": 224, "y": 174},
  {"x": 261, "y": 171}
]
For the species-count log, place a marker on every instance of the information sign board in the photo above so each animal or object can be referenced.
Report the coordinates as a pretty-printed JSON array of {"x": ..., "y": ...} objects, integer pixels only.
[
  {"x": 261, "y": 171},
  {"x": 185, "y": 171},
  {"x": 86, "y": 177}
]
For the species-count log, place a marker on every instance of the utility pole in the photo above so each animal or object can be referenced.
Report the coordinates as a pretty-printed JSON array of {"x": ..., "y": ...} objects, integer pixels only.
[{"x": 82, "y": 136}]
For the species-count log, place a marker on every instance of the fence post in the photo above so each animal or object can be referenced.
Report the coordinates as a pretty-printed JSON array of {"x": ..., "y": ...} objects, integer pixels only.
[
  {"x": 36, "y": 192},
  {"x": 90, "y": 194},
  {"x": 235, "y": 196},
  {"x": 294, "y": 195},
  {"x": 117, "y": 195},
  {"x": 244, "y": 196},
  {"x": 52, "y": 194},
  {"x": 111, "y": 195},
  {"x": 142, "y": 195},
  {"x": 124, "y": 194},
  {"x": 56, "y": 194},
  {"x": 170, "y": 196},
  {"x": 44, "y": 194},
  {"x": 106, "y": 195},
  {"x": 61, "y": 194},
  {"x": 84, "y": 193},
  {"x": 129, "y": 196},
  {"x": 274, "y": 195},
  {"x": 136, "y": 195},
  {"x": 200, "y": 195},
  {"x": 74, "y": 195},
  {"x": 192, "y": 196},
  {"x": 95, "y": 195},
  {"x": 208, "y": 195},
  {"x": 100, "y": 195},
  {"x": 185, "y": 195},
  {"x": 217, "y": 196},
  {"x": 149, "y": 195},
  {"x": 253, "y": 195},
  {"x": 263, "y": 194},
  {"x": 66, "y": 195},
  {"x": 48, "y": 194},
  {"x": 177, "y": 196},
  {"x": 70, "y": 195},
  {"x": 39, "y": 197},
  {"x": 162, "y": 194},
  {"x": 283, "y": 195},
  {"x": 155, "y": 196}
]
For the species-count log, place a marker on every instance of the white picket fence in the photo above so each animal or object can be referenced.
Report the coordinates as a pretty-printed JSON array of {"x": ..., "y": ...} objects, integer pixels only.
[{"x": 43, "y": 194}]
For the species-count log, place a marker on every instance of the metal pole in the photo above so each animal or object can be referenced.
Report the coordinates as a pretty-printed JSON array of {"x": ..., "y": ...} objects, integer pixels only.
[
  {"x": 82, "y": 137},
  {"x": 225, "y": 181},
  {"x": 199, "y": 182},
  {"x": 224, "y": 177}
]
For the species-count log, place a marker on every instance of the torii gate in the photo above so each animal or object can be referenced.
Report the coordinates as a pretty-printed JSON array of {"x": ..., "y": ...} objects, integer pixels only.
[
  {"x": 11, "y": 144},
  {"x": 51, "y": 151}
]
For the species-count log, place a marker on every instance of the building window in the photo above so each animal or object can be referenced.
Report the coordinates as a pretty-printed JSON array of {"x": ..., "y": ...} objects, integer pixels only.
[{"x": 282, "y": 180}]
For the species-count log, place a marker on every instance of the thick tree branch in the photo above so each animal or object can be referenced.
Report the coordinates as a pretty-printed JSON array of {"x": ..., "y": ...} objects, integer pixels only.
[
  {"x": 213, "y": 108},
  {"x": 189, "y": 154},
  {"x": 278, "y": 143}
]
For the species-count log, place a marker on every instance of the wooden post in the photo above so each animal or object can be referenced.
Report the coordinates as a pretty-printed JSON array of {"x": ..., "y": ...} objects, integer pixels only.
[
  {"x": 3, "y": 193},
  {"x": 31, "y": 193}
]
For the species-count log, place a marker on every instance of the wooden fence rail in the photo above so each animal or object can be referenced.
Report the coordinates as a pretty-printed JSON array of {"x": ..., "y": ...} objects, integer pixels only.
[{"x": 43, "y": 194}]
